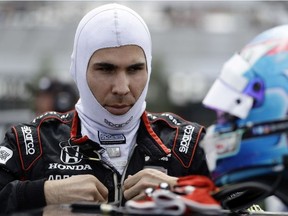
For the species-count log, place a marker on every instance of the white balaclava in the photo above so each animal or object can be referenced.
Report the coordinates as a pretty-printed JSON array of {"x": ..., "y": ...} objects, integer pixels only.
[{"x": 110, "y": 25}]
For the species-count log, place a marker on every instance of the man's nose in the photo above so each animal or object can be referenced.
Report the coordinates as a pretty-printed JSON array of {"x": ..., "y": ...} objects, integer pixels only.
[{"x": 121, "y": 84}]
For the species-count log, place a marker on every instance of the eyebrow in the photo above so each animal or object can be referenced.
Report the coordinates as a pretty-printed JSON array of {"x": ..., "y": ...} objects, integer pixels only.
[
  {"x": 105, "y": 64},
  {"x": 140, "y": 64}
]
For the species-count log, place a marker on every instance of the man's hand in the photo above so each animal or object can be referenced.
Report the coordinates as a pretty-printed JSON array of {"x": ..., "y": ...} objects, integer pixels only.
[
  {"x": 75, "y": 188},
  {"x": 135, "y": 185}
]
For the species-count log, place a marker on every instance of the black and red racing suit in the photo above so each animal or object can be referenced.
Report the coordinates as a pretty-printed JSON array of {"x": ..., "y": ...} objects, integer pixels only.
[{"x": 51, "y": 147}]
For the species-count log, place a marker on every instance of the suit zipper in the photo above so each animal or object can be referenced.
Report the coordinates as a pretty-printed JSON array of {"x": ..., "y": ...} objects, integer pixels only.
[
  {"x": 120, "y": 185},
  {"x": 115, "y": 180}
]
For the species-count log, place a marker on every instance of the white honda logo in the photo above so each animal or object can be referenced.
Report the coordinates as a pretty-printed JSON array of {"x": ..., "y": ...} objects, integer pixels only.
[{"x": 70, "y": 155}]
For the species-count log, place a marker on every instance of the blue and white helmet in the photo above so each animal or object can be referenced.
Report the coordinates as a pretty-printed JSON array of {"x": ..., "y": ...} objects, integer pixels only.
[{"x": 250, "y": 97}]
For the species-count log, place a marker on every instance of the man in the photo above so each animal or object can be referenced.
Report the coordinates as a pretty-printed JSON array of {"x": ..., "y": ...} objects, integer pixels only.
[
  {"x": 52, "y": 95},
  {"x": 109, "y": 149}
]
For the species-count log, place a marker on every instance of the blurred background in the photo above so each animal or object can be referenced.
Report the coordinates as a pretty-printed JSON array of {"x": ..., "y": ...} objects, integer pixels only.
[{"x": 191, "y": 41}]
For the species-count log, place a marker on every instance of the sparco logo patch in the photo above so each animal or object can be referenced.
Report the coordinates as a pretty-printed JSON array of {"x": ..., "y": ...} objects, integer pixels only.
[
  {"x": 5, "y": 154},
  {"x": 185, "y": 141},
  {"x": 28, "y": 140},
  {"x": 111, "y": 124}
]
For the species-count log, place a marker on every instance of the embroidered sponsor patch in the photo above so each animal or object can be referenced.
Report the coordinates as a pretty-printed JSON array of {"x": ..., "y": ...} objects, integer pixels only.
[
  {"x": 113, "y": 151},
  {"x": 171, "y": 118},
  {"x": 185, "y": 144},
  {"x": 110, "y": 139},
  {"x": 70, "y": 154},
  {"x": 28, "y": 143},
  {"x": 5, "y": 154},
  {"x": 121, "y": 125},
  {"x": 28, "y": 140},
  {"x": 186, "y": 139}
]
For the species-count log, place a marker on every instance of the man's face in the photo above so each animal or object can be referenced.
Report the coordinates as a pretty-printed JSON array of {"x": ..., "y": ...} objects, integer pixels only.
[
  {"x": 44, "y": 101},
  {"x": 117, "y": 77}
]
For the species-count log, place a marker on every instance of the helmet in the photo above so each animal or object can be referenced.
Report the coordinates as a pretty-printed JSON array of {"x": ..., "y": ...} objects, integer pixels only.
[{"x": 250, "y": 97}]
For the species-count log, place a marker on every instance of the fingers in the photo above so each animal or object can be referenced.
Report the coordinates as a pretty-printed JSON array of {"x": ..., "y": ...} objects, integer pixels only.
[
  {"x": 139, "y": 196},
  {"x": 101, "y": 192},
  {"x": 134, "y": 186},
  {"x": 132, "y": 192},
  {"x": 75, "y": 188},
  {"x": 131, "y": 181},
  {"x": 94, "y": 187}
]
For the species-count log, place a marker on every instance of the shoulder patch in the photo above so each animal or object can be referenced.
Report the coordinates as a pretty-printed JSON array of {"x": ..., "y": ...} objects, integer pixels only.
[
  {"x": 28, "y": 144},
  {"x": 5, "y": 154},
  {"x": 168, "y": 117},
  {"x": 186, "y": 135},
  {"x": 186, "y": 143},
  {"x": 50, "y": 115}
]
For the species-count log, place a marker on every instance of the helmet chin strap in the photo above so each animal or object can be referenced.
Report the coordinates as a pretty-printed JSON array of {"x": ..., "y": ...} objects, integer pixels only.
[
  {"x": 265, "y": 128},
  {"x": 249, "y": 131},
  {"x": 239, "y": 196},
  {"x": 258, "y": 129},
  {"x": 264, "y": 181}
]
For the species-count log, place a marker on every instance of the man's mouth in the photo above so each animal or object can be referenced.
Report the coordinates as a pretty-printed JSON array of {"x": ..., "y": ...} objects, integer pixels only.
[{"x": 118, "y": 109}]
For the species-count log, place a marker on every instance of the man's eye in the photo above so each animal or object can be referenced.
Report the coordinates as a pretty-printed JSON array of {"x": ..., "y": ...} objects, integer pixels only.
[
  {"x": 101, "y": 69},
  {"x": 135, "y": 69},
  {"x": 105, "y": 69}
]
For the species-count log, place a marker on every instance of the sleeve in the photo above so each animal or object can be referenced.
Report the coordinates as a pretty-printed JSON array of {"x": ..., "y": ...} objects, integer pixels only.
[
  {"x": 17, "y": 194},
  {"x": 182, "y": 137},
  {"x": 189, "y": 151},
  {"x": 199, "y": 165}
]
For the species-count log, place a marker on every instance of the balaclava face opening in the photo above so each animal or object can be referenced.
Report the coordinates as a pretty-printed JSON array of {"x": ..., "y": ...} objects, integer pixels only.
[{"x": 110, "y": 25}]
